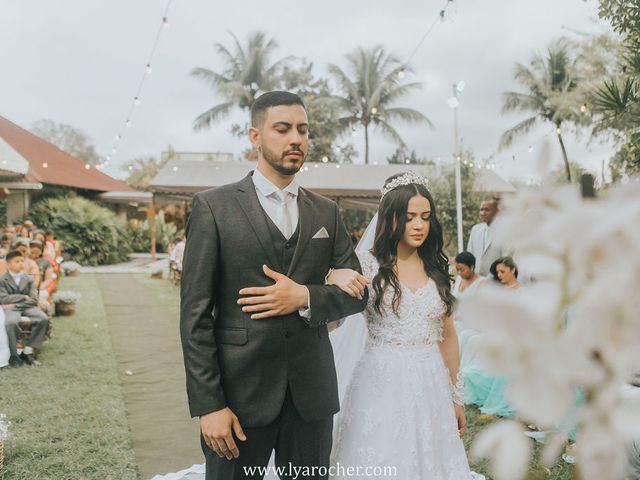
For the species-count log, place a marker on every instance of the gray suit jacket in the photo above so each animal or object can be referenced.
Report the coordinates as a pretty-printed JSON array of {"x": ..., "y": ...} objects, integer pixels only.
[
  {"x": 245, "y": 364},
  {"x": 10, "y": 293},
  {"x": 484, "y": 248}
]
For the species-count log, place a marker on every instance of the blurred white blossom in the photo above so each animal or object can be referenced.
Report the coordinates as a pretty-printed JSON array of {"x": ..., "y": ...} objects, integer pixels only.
[{"x": 575, "y": 328}]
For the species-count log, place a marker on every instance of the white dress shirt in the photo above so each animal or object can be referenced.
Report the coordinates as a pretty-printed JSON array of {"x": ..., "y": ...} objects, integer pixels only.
[{"x": 269, "y": 198}]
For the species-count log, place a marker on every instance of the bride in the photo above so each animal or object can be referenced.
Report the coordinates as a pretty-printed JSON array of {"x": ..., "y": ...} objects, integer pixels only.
[{"x": 403, "y": 410}]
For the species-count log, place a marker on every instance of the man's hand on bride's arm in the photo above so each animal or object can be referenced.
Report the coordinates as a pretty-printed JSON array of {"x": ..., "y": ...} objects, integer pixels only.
[
  {"x": 218, "y": 428},
  {"x": 281, "y": 298},
  {"x": 349, "y": 281}
]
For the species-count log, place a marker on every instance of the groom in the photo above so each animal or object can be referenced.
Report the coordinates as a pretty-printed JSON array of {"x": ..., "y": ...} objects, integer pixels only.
[{"x": 255, "y": 307}]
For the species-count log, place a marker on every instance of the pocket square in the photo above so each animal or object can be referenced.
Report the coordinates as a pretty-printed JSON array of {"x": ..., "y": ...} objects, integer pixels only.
[{"x": 322, "y": 233}]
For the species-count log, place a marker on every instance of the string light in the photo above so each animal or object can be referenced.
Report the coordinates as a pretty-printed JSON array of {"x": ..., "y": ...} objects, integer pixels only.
[
  {"x": 374, "y": 110},
  {"x": 45, "y": 165},
  {"x": 583, "y": 108},
  {"x": 175, "y": 169},
  {"x": 440, "y": 17},
  {"x": 135, "y": 102},
  {"x": 325, "y": 159},
  {"x": 558, "y": 131},
  {"x": 87, "y": 166},
  {"x": 530, "y": 149}
]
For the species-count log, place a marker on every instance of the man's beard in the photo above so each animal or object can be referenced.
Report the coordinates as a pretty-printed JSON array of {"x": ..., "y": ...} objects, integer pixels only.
[{"x": 276, "y": 162}]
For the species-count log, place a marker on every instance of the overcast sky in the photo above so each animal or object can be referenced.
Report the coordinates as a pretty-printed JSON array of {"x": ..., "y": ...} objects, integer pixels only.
[{"x": 80, "y": 62}]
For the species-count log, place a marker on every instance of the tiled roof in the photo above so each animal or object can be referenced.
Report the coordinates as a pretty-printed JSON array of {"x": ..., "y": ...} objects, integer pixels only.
[{"x": 62, "y": 169}]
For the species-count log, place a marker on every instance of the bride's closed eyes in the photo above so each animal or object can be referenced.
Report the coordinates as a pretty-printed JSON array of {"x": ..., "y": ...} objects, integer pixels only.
[{"x": 425, "y": 216}]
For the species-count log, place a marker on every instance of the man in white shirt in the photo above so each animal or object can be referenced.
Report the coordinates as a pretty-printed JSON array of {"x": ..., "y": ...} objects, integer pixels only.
[
  {"x": 177, "y": 252},
  {"x": 481, "y": 244}
]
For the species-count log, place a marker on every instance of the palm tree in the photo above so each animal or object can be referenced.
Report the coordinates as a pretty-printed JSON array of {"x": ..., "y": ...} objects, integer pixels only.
[
  {"x": 247, "y": 72},
  {"x": 552, "y": 95},
  {"x": 368, "y": 92}
]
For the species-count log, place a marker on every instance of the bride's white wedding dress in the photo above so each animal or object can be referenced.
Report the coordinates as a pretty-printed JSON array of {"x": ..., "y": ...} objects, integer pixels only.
[{"x": 398, "y": 409}]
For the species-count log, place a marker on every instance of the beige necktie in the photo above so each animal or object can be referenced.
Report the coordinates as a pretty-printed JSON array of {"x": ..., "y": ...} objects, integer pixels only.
[{"x": 284, "y": 216}]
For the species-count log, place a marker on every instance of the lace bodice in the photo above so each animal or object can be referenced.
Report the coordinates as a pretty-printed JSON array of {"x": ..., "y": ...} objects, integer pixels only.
[{"x": 420, "y": 314}]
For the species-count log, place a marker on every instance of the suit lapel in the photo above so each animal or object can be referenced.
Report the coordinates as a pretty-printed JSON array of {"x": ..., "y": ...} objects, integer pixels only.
[
  {"x": 248, "y": 200},
  {"x": 9, "y": 278},
  {"x": 305, "y": 220}
]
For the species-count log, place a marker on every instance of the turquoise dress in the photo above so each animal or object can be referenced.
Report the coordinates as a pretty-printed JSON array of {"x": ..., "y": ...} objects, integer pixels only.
[{"x": 480, "y": 388}]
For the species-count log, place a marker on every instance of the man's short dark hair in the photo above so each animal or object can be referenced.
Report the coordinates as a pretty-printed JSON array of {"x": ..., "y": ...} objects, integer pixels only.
[
  {"x": 272, "y": 99},
  {"x": 13, "y": 254}
]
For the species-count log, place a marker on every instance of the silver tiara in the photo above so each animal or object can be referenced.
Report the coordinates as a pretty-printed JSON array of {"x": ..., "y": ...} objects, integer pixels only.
[{"x": 408, "y": 178}]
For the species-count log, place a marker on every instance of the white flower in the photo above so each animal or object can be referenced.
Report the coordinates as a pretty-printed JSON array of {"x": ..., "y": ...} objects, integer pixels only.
[
  {"x": 507, "y": 449},
  {"x": 4, "y": 427}
]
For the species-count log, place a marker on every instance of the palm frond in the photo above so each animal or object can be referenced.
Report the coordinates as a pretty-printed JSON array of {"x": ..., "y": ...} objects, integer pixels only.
[
  {"x": 521, "y": 128},
  {"x": 204, "y": 120},
  {"x": 408, "y": 115}
]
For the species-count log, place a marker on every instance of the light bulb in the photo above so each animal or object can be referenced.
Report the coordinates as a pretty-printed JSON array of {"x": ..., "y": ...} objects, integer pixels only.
[
  {"x": 583, "y": 108},
  {"x": 374, "y": 110},
  {"x": 128, "y": 124},
  {"x": 130, "y": 167},
  {"x": 113, "y": 150},
  {"x": 401, "y": 73},
  {"x": 116, "y": 138},
  {"x": 45, "y": 165},
  {"x": 136, "y": 101},
  {"x": 87, "y": 166},
  {"x": 530, "y": 149},
  {"x": 148, "y": 68},
  {"x": 325, "y": 159},
  {"x": 165, "y": 22},
  {"x": 175, "y": 169},
  {"x": 558, "y": 131}
]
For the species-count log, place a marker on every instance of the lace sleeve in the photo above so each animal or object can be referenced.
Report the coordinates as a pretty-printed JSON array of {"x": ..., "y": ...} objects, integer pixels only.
[{"x": 369, "y": 264}]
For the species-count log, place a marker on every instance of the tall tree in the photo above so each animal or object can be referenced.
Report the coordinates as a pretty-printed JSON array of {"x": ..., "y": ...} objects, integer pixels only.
[
  {"x": 247, "y": 71},
  {"x": 324, "y": 127},
  {"x": 369, "y": 88},
  {"x": 552, "y": 95},
  {"x": 70, "y": 139},
  {"x": 617, "y": 98},
  {"x": 143, "y": 169}
]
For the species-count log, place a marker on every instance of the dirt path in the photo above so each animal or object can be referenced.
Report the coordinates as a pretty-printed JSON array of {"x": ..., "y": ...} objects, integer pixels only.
[{"x": 143, "y": 323}]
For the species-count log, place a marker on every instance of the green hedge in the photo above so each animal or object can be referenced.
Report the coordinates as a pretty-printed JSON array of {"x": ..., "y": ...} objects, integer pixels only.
[{"x": 91, "y": 234}]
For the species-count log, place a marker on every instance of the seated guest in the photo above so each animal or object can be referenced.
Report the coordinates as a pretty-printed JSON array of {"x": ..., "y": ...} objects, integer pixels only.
[
  {"x": 5, "y": 242},
  {"x": 465, "y": 287},
  {"x": 23, "y": 232},
  {"x": 468, "y": 280},
  {"x": 505, "y": 271},
  {"x": 48, "y": 276},
  {"x": 19, "y": 298},
  {"x": 10, "y": 231},
  {"x": 30, "y": 267}
]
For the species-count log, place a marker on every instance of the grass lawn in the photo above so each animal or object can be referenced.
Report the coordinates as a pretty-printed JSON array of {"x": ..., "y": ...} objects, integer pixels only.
[
  {"x": 560, "y": 471},
  {"x": 68, "y": 416}
]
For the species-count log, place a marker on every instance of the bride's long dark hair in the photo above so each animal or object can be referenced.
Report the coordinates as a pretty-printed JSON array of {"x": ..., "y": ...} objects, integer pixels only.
[{"x": 385, "y": 247}]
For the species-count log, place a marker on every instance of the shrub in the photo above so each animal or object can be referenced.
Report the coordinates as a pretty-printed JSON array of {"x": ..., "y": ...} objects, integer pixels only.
[
  {"x": 140, "y": 234},
  {"x": 91, "y": 234}
]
